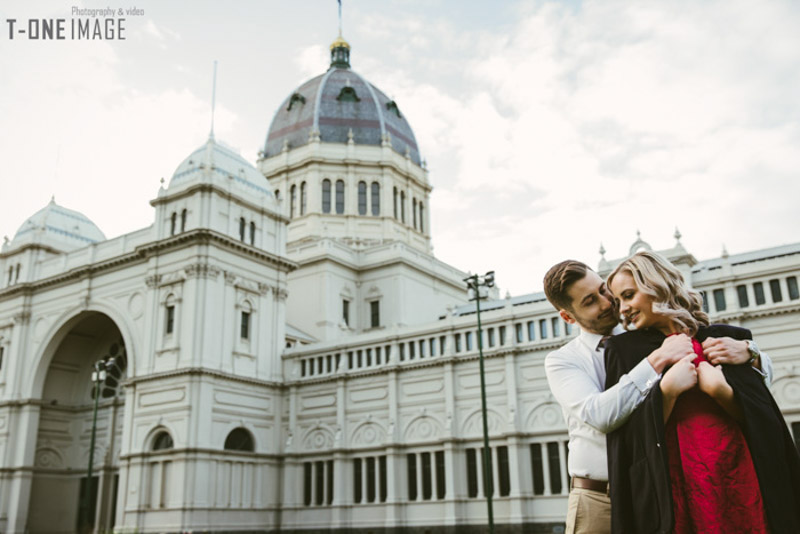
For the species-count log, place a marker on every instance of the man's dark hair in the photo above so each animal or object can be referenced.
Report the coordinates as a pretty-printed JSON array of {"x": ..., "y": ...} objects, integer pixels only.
[{"x": 559, "y": 279}]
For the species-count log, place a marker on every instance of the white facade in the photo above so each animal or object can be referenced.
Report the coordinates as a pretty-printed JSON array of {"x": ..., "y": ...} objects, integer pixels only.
[{"x": 252, "y": 398}]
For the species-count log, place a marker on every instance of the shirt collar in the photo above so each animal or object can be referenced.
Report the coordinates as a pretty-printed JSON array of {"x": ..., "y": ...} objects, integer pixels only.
[{"x": 590, "y": 339}]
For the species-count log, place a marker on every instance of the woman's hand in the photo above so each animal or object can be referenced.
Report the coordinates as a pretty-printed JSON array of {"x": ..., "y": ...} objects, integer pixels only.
[
  {"x": 681, "y": 377},
  {"x": 711, "y": 380},
  {"x": 713, "y": 383}
]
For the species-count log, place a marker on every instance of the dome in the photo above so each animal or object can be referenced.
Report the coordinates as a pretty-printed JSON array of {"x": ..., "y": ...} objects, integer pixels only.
[
  {"x": 335, "y": 104},
  {"x": 58, "y": 227},
  {"x": 214, "y": 159}
]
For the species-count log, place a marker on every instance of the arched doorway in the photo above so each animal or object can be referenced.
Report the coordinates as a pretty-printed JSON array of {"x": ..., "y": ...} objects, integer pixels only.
[{"x": 63, "y": 498}]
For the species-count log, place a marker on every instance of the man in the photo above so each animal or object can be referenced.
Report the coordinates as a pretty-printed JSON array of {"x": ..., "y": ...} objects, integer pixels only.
[{"x": 576, "y": 375}]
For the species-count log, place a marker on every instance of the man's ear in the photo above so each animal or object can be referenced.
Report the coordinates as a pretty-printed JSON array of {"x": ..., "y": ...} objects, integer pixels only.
[{"x": 567, "y": 317}]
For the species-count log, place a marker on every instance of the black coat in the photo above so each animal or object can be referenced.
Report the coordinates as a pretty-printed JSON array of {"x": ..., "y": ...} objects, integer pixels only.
[{"x": 638, "y": 468}]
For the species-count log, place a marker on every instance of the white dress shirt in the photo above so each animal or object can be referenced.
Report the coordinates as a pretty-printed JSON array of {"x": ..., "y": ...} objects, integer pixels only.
[{"x": 576, "y": 374}]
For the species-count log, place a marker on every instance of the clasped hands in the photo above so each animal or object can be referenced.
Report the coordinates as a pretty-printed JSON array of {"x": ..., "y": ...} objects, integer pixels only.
[{"x": 683, "y": 375}]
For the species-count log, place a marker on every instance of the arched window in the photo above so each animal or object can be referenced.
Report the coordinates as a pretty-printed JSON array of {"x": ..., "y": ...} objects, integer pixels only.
[
  {"x": 303, "y": 198},
  {"x": 10, "y": 274},
  {"x": 16, "y": 276},
  {"x": 162, "y": 441},
  {"x": 183, "y": 220},
  {"x": 173, "y": 219},
  {"x": 241, "y": 228},
  {"x": 362, "y": 198},
  {"x": 339, "y": 196},
  {"x": 394, "y": 201},
  {"x": 252, "y": 233},
  {"x": 292, "y": 200},
  {"x": 414, "y": 212},
  {"x": 239, "y": 439},
  {"x": 326, "y": 196},
  {"x": 169, "y": 315},
  {"x": 421, "y": 217},
  {"x": 375, "y": 197},
  {"x": 403, "y": 207},
  {"x": 277, "y": 194}
]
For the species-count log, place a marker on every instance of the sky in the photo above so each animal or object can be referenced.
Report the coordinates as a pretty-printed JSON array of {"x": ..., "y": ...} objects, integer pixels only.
[{"x": 548, "y": 127}]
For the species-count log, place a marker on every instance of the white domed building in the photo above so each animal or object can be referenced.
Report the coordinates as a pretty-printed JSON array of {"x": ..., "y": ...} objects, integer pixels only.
[{"x": 284, "y": 353}]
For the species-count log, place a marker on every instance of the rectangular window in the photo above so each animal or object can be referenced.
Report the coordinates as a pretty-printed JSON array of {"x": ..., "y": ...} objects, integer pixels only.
[
  {"x": 741, "y": 292},
  {"x": 555, "y": 467},
  {"x": 421, "y": 348},
  {"x": 442, "y": 344},
  {"x": 543, "y": 329},
  {"x": 320, "y": 472},
  {"x": 427, "y": 479},
  {"x": 468, "y": 340},
  {"x": 531, "y": 330},
  {"x": 375, "y": 313},
  {"x": 488, "y": 482},
  {"x": 775, "y": 289},
  {"x": 432, "y": 343},
  {"x": 457, "y": 338},
  {"x": 472, "y": 473},
  {"x": 537, "y": 469},
  {"x": 501, "y": 334},
  {"x": 518, "y": 332},
  {"x": 245, "y": 330},
  {"x": 170, "y": 320},
  {"x": 2, "y": 352},
  {"x": 307, "y": 483},
  {"x": 791, "y": 283},
  {"x": 758, "y": 290},
  {"x": 383, "y": 485},
  {"x": 370, "y": 479},
  {"x": 329, "y": 482},
  {"x": 346, "y": 312},
  {"x": 503, "y": 472},
  {"x": 704, "y": 296},
  {"x": 719, "y": 299},
  {"x": 556, "y": 324},
  {"x": 357, "y": 478},
  {"x": 491, "y": 337},
  {"x": 440, "y": 478},
  {"x": 411, "y": 350},
  {"x": 567, "y": 328},
  {"x": 411, "y": 472}
]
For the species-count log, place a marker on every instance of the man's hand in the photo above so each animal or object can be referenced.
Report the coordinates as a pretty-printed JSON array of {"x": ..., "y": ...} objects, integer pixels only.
[
  {"x": 672, "y": 350},
  {"x": 726, "y": 350}
]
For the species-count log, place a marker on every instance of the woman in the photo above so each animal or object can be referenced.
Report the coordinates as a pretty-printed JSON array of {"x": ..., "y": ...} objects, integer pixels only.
[{"x": 708, "y": 450}]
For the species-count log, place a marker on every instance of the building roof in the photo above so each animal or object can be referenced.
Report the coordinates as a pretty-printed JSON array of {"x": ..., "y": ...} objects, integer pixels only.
[
  {"x": 58, "y": 227},
  {"x": 337, "y": 106},
  {"x": 748, "y": 257},
  {"x": 215, "y": 159}
]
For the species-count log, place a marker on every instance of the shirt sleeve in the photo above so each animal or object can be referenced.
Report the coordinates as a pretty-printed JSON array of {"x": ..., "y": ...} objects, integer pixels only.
[
  {"x": 766, "y": 368},
  {"x": 583, "y": 397}
]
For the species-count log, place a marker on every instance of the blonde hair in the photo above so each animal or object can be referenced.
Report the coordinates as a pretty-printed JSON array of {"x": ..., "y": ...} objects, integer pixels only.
[{"x": 660, "y": 279}]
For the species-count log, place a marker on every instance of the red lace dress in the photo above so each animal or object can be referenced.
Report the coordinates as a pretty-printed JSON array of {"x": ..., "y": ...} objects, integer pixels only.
[{"x": 714, "y": 484}]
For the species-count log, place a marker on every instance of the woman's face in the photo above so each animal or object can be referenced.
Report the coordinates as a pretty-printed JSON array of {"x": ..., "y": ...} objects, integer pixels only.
[{"x": 634, "y": 305}]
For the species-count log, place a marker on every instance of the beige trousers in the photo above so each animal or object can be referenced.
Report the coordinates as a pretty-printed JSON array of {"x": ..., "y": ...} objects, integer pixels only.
[{"x": 588, "y": 512}]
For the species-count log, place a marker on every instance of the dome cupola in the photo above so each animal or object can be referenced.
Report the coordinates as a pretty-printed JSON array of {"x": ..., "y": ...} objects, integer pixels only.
[
  {"x": 340, "y": 106},
  {"x": 59, "y": 228}
]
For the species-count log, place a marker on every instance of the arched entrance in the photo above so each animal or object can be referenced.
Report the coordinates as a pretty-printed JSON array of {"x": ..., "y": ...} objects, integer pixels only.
[{"x": 63, "y": 499}]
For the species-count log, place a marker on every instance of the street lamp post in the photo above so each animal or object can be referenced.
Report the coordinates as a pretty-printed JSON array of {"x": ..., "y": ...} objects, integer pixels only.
[
  {"x": 475, "y": 283},
  {"x": 98, "y": 378}
]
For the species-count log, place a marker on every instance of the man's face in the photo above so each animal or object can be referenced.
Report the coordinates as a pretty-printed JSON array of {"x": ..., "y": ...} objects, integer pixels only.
[{"x": 592, "y": 305}]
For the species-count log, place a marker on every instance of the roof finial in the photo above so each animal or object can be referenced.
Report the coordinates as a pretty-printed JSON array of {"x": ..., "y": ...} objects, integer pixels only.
[
  {"x": 602, "y": 252},
  {"x": 677, "y": 235},
  {"x": 340, "y": 17},
  {"x": 213, "y": 100}
]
